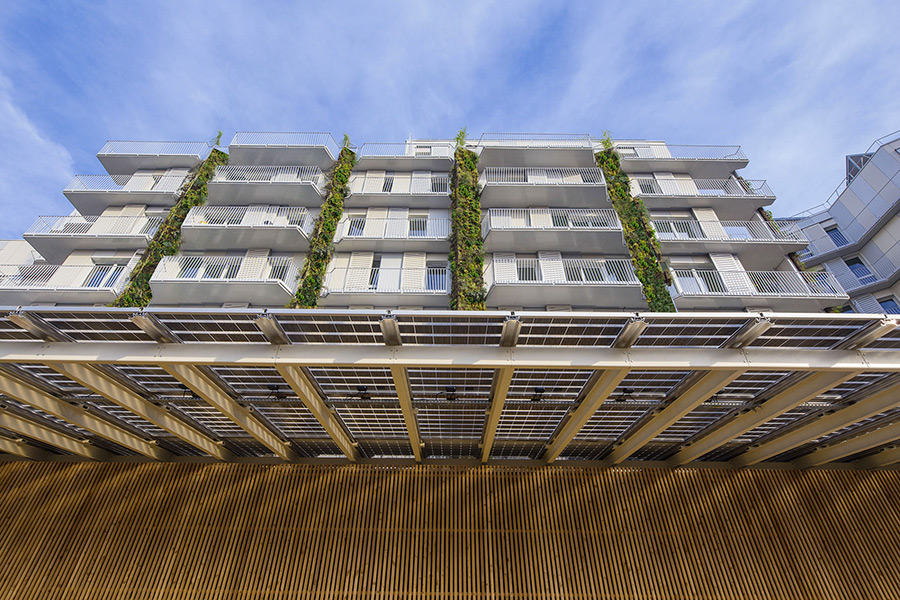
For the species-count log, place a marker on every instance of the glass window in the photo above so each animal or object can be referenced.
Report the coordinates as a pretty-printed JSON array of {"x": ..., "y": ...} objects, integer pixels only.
[
  {"x": 436, "y": 277},
  {"x": 860, "y": 269},
  {"x": 836, "y": 236},
  {"x": 890, "y": 305},
  {"x": 357, "y": 225},
  {"x": 418, "y": 226}
]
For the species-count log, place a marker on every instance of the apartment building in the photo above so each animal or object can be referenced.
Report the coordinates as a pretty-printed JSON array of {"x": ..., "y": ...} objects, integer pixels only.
[{"x": 854, "y": 234}]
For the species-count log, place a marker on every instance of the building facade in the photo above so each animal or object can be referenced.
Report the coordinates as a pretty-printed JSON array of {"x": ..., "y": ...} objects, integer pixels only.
[{"x": 854, "y": 234}]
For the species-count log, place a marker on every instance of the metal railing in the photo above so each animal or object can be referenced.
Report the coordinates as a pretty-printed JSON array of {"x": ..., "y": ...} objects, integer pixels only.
[
  {"x": 250, "y": 174},
  {"x": 91, "y": 226},
  {"x": 407, "y": 150},
  {"x": 567, "y": 271},
  {"x": 536, "y": 140},
  {"x": 412, "y": 228},
  {"x": 697, "y": 282},
  {"x": 399, "y": 183},
  {"x": 227, "y": 268},
  {"x": 428, "y": 280},
  {"x": 649, "y": 186},
  {"x": 286, "y": 139},
  {"x": 270, "y": 217},
  {"x": 639, "y": 151},
  {"x": 135, "y": 148},
  {"x": 542, "y": 176},
  {"x": 732, "y": 231},
  {"x": 120, "y": 183},
  {"x": 568, "y": 219},
  {"x": 110, "y": 278}
]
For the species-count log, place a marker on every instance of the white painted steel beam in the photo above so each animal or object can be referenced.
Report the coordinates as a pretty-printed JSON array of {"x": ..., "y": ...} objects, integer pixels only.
[
  {"x": 306, "y": 391},
  {"x": 94, "y": 379},
  {"x": 205, "y": 387},
  {"x": 803, "y": 391},
  {"x": 885, "y": 458},
  {"x": 600, "y": 389},
  {"x": 404, "y": 394},
  {"x": 48, "y": 435},
  {"x": 860, "y": 443},
  {"x": 705, "y": 388},
  {"x": 829, "y": 423},
  {"x": 34, "y": 397},
  {"x": 499, "y": 390},
  {"x": 20, "y": 447}
]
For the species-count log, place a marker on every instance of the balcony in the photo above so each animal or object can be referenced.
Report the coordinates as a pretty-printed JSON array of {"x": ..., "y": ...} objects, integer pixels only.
[
  {"x": 702, "y": 193},
  {"x": 788, "y": 291},
  {"x": 393, "y": 235},
  {"x": 580, "y": 282},
  {"x": 119, "y": 156},
  {"x": 759, "y": 241},
  {"x": 536, "y": 150},
  {"x": 260, "y": 281},
  {"x": 406, "y": 156},
  {"x": 413, "y": 189},
  {"x": 515, "y": 187},
  {"x": 64, "y": 284},
  {"x": 566, "y": 229},
  {"x": 285, "y": 186},
  {"x": 387, "y": 287},
  {"x": 279, "y": 228},
  {"x": 699, "y": 161},
  {"x": 56, "y": 237},
  {"x": 92, "y": 194},
  {"x": 283, "y": 148}
]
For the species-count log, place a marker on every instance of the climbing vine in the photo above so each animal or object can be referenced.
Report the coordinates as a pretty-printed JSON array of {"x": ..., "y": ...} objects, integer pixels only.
[
  {"x": 467, "y": 290},
  {"x": 321, "y": 243},
  {"x": 639, "y": 235},
  {"x": 167, "y": 239}
]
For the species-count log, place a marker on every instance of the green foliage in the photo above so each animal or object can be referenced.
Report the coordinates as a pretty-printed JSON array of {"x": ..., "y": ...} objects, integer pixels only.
[
  {"x": 467, "y": 291},
  {"x": 321, "y": 243},
  {"x": 606, "y": 140},
  {"x": 639, "y": 235},
  {"x": 345, "y": 143},
  {"x": 218, "y": 138},
  {"x": 167, "y": 239}
]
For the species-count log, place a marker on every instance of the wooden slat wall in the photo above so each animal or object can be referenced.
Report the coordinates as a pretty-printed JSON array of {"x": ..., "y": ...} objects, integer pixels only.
[{"x": 250, "y": 531}]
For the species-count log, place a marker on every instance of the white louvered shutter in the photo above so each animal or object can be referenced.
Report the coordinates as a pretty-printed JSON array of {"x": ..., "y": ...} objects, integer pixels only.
[
  {"x": 686, "y": 186},
  {"x": 402, "y": 183},
  {"x": 867, "y": 303},
  {"x": 732, "y": 273},
  {"x": 255, "y": 215},
  {"x": 359, "y": 271},
  {"x": 551, "y": 267},
  {"x": 375, "y": 222},
  {"x": 709, "y": 223},
  {"x": 421, "y": 182},
  {"x": 537, "y": 176},
  {"x": 540, "y": 217},
  {"x": 389, "y": 273},
  {"x": 374, "y": 182},
  {"x": 438, "y": 223},
  {"x": 397, "y": 224},
  {"x": 505, "y": 267},
  {"x": 413, "y": 275},
  {"x": 667, "y": 184},
  {"x": 254, "y": 264},
  {"x": 141, "y": 181},
  {"x": 842, "y": 273}
]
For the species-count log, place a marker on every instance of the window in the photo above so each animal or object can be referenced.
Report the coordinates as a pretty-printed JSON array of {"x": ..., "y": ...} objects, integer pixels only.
[
  {"x": 356, "y": 225},
  {"x": 860, "y": 269},
  {"x": 373, "y": 274},
  {"x": 103, "y": 276},
  {"x": 388, "y": 184},
  {"x": 890, "y": 305},
  {"x": 436, "y": 277},
  {"x": 418, "y": 225},
  {"x": 527, "y": 269},
  {"x": 836, "y": 236}
]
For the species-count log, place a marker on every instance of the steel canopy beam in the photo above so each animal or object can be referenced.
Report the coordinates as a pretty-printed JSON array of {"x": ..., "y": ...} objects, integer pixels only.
[
  {"x": 863, "y": 409},
  {"x": 20, "y": 447},
  {"x": 803, "y": 391},
  {"x": 603, "y": 385},
  {"x": 48, "y": 435},
  {"x": 499, "y": 391},
  {"x": 404, "y": 394},
  {"x": 860, "y": 443},
  {"x": 101, "y": 383},
  {"x": 306, "y": 391},
  {"x": 207, "y": 388},
  {"x": 34, "y": 397},
  {"x": 698, "y": 393},
  {"x": 885, "y": 458}
]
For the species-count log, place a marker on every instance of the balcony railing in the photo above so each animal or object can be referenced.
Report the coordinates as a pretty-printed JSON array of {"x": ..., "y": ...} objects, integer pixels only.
[
  {"x": 364, "y": 228},
  {"x": 225, "y": 217},
  {"x": 90, "y": 226},
  {"x": 807, "y": 284},
  {"x": 407, "y": 150},
  {"x": 111, "y": 278},
  {"x": 286, "y": 139},
  {"x": 536, "y": 140},
  {"x": 628, "y": 151},
  {"x": 731, "y": 231},
  {"x": 648, "y": 186},
  {"x": 429, "y": 280},
  {"x": 211, "y": 269},
  {"x": 126, "y": 183},
  {"x": 560, "y": 219},
  {"x": 537, "y": 176},
  {"x": 134, "y": 148},
  {"x": 567, "y": 271},
  {"x": 399, "y": 184},
  {"x": 250, "y": 174}
]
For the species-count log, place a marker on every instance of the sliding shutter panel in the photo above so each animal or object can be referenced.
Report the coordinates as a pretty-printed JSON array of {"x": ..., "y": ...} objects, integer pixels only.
[
  {"x": 551, "y": 267},
  {"x": 505, "y": 267},
  {"x": 413, "y": 275},
  {"x": 359, "y": 271}
]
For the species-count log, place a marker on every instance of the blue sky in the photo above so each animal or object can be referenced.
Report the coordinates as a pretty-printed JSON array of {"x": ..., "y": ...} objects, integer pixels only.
[{"x": 797, "y": 84}]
